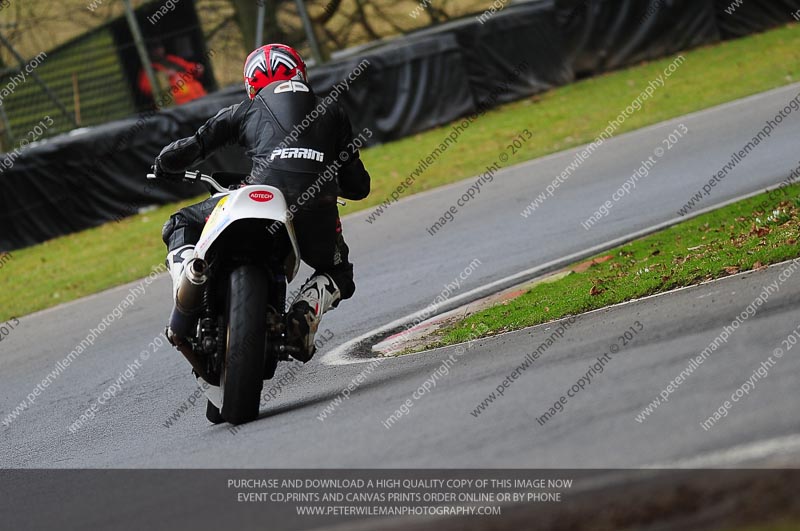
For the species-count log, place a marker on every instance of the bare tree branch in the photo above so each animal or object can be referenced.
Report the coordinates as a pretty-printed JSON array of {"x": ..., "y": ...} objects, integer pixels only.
[
  {"x": 330, "y": 10},
  {"x": 362, "y": 18}
]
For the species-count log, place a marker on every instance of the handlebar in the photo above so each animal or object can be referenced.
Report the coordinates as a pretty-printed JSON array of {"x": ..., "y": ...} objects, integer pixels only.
[{"x": 195, "y": 176}]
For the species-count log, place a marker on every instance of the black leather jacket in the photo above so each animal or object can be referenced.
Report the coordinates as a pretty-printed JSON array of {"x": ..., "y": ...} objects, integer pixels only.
[{"x": 290, "y": 136}]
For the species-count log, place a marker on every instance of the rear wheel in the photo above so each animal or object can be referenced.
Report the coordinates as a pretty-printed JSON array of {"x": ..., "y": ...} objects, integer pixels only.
[{"x": 246, "y": 346}]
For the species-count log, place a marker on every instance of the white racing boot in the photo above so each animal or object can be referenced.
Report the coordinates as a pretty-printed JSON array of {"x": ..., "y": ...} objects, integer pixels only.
[
  {"x": 176, "y": 260},
  {"x": 318, "y": 295}
]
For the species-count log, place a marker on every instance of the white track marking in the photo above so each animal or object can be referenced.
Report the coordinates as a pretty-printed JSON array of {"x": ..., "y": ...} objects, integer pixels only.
[
  {"x": 737, "y": 455},
  {"x": 340, "y": 355}
]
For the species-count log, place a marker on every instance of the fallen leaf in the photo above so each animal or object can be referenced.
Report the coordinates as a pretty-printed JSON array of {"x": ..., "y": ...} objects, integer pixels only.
[
  {"x": 732, "y": 270},
  {"x": 595, "y": 291}
]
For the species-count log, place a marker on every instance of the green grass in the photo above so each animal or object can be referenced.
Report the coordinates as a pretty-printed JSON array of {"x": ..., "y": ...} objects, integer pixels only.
[
  {"x": 746, "y": 235},
  {"x": 84, "y": 263}
]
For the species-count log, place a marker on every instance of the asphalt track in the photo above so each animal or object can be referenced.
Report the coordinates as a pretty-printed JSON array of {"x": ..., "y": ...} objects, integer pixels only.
[{"x": 400, "y": 269}]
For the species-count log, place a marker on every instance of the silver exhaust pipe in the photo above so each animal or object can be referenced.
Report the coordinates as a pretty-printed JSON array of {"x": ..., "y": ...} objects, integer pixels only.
[
  {"x": 189, "y": 298},
  {"x": 188, "y": 305}
]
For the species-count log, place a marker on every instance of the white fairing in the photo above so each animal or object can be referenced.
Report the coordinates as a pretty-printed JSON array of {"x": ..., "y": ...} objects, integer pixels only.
[{"x": 250, "y": 202}]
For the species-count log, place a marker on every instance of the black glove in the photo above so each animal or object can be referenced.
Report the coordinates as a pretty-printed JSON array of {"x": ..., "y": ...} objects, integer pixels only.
[
  {"x": 166, "y": 176},
  {"x": 353, "y": 181}
]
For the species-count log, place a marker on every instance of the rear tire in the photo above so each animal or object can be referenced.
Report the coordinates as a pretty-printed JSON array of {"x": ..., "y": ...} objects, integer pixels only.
[
  {"x": 213, "y": 415},
  {"x": 246, "y": 348}
]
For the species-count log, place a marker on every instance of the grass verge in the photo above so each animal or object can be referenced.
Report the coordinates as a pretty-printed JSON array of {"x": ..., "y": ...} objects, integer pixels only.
[
  {"x": 81, "y": 264},
  {"x": 746, "y": 235}
]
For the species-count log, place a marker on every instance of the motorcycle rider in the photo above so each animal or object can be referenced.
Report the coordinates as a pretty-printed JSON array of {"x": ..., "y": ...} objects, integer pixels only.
[{"x": 279, "y": 99}]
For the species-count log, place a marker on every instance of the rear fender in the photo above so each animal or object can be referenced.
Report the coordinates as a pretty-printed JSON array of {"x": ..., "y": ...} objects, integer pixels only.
[{"x": 251, "y": 202}]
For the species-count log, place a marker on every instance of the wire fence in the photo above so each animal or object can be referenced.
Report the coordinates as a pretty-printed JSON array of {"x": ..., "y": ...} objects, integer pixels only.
[
  {"x": 79, "y": 84},
  {"x": 92, "y": 79}
]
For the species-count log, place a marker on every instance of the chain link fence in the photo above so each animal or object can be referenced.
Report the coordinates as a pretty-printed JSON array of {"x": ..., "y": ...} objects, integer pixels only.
[{"x": 95, "y": 77}]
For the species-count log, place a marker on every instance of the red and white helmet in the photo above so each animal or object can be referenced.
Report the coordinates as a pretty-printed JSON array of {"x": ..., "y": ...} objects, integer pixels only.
[{"x": 269, "y": 63}]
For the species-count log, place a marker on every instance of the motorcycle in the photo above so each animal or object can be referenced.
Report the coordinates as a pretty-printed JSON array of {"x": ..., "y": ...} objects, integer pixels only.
[{"x": 229, "y": 316}]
